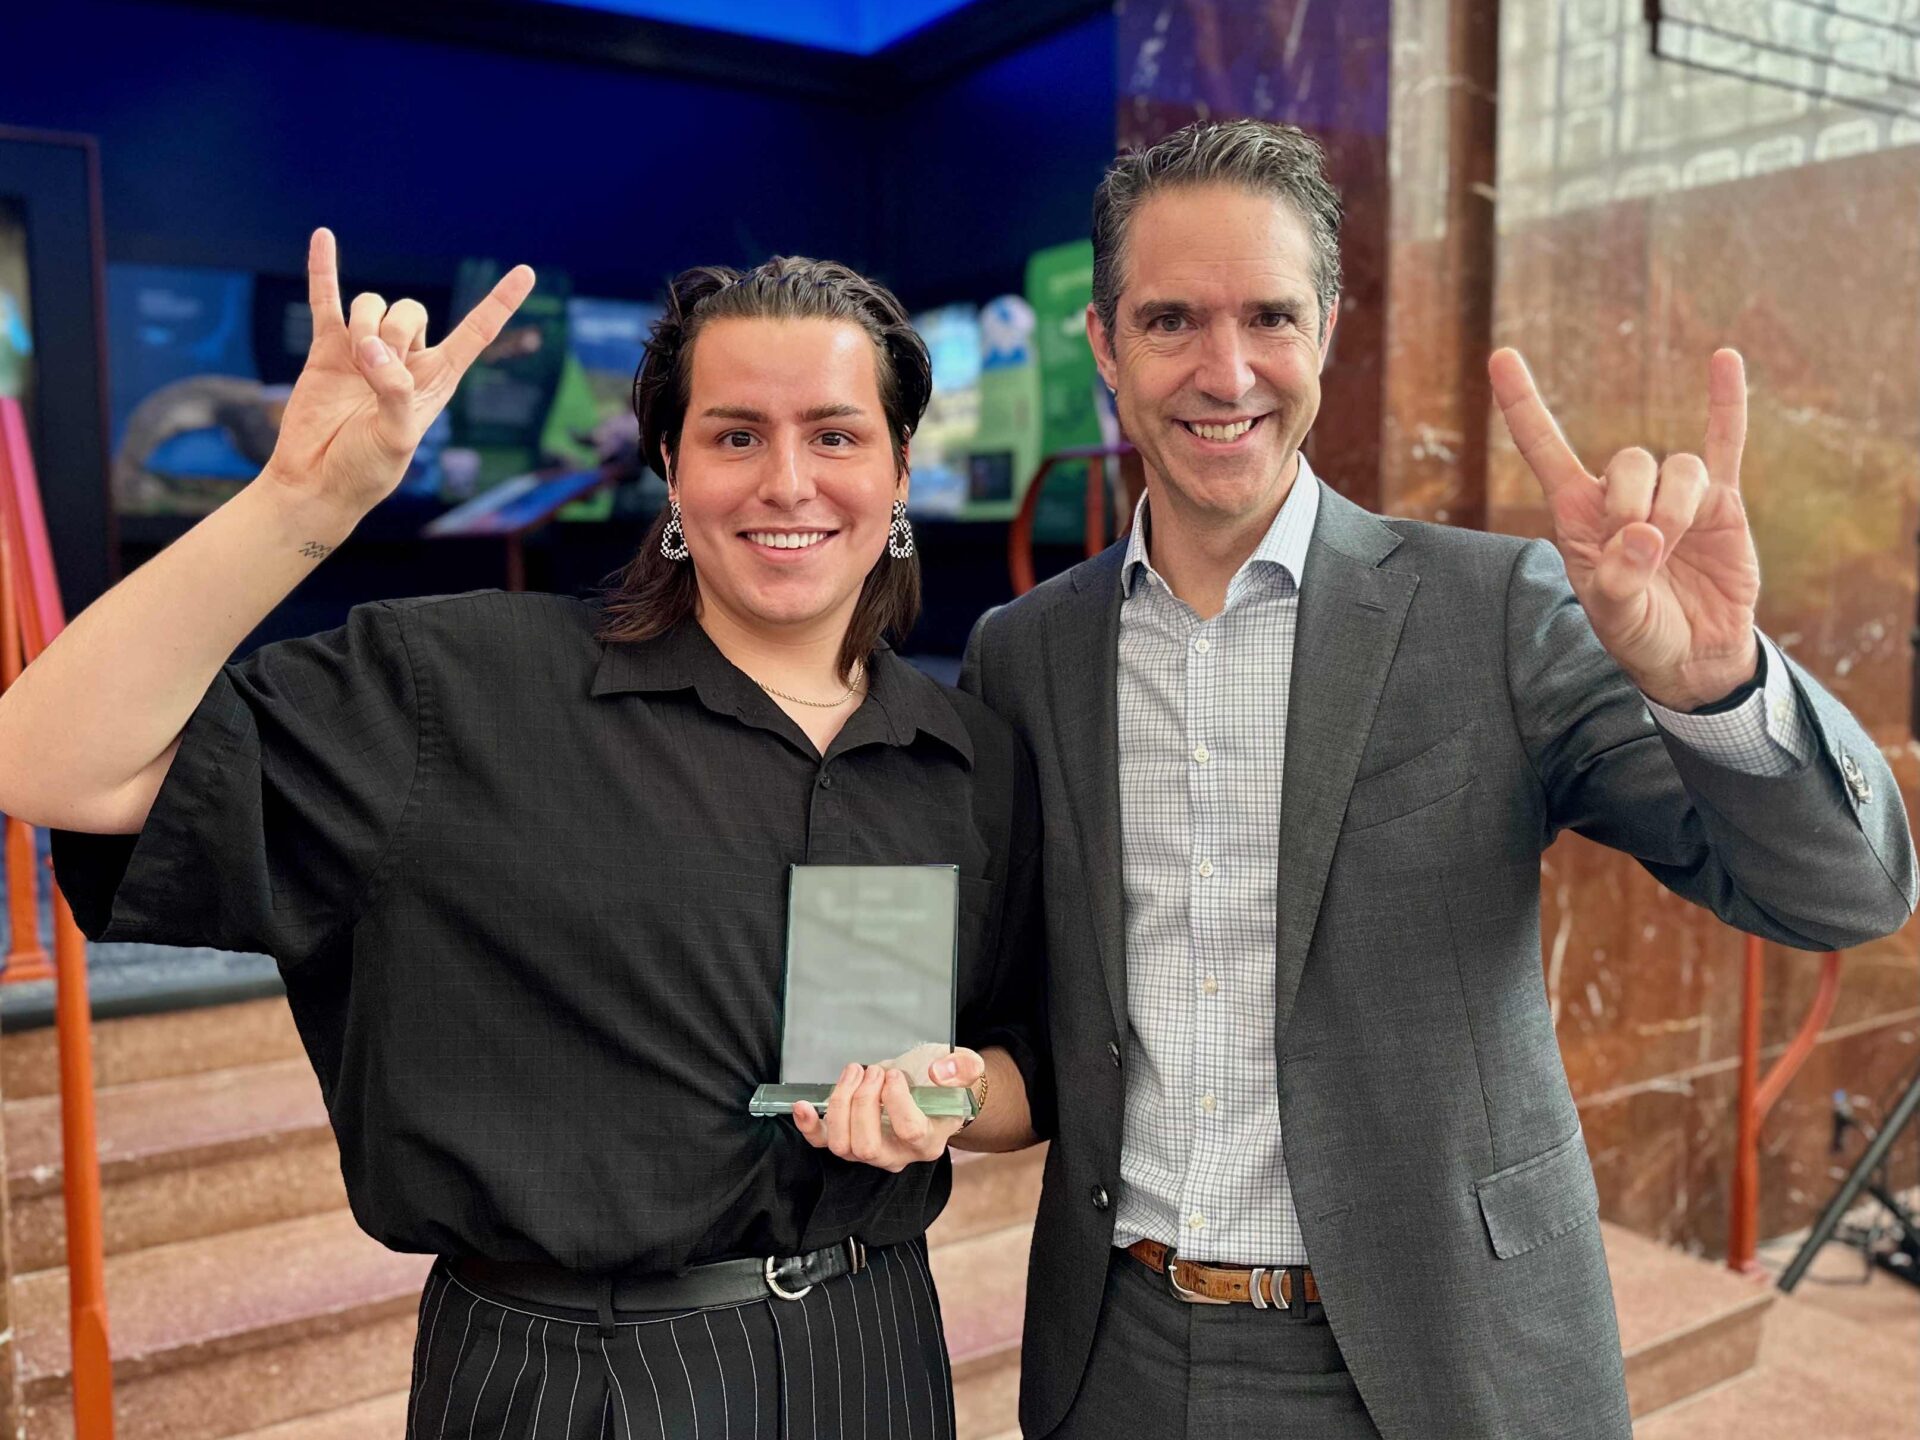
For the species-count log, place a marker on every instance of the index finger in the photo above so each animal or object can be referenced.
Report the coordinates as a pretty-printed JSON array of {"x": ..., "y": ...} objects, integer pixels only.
[
  {"x": 323, "y": 282},
  {"x": 487, "y": 319},
  {"x": 1532, "y": 425},
  {"x": 1726, "y": 416}
]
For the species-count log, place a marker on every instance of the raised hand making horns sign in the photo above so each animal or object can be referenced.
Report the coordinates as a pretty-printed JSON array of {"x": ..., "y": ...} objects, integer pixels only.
[
  {"x": 1659, "y": 553},
  {"x": 372, "y": 385}
]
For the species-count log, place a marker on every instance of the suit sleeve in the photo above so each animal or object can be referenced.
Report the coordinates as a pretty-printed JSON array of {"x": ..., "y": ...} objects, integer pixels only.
[
  {"x": 286, "y": 793},
  {"x": 1818, "y": 857},
  {"x": 1015, "y": 1017}
]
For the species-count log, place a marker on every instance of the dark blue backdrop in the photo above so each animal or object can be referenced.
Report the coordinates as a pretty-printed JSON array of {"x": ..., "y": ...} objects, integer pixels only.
[{"x": 225, "y": 137}]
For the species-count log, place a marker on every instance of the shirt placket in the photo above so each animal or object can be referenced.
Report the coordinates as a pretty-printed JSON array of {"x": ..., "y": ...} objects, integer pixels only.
[{"x": 1206, "y": 940}]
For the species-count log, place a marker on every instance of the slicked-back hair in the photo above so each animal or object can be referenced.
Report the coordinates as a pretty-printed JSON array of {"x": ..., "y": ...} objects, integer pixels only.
[
  {"x": 1258, "y": 156},
  {"x": 654, "y": 593}
]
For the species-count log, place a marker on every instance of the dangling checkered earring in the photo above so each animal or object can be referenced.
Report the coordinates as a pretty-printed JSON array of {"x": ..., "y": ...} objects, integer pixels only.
[
  {"x": 900, "y": 533},
  {"x": 673, "y": 540}
]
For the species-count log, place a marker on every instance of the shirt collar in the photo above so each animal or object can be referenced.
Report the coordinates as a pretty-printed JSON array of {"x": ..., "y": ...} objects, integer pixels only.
[
  {"x": 1283, "y": 547},
  {"x": 901, "y": 701}
]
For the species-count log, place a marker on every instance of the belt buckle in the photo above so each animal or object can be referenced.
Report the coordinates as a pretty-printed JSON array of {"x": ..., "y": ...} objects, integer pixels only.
[
  {"x": 1192, "y": 1297},
  {"x": 856, "y": 1256},
  {"x": 777, "y": 1288}
]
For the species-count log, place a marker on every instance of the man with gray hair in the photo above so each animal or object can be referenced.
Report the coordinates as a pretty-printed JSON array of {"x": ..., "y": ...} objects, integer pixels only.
[{"x": 1316, "y": 1166}]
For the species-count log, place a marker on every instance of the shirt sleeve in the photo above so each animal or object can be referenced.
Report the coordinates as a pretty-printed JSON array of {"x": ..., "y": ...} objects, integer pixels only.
[
  {"x": 1766, "y": 734},
  {"x": 286, "y": 794}
]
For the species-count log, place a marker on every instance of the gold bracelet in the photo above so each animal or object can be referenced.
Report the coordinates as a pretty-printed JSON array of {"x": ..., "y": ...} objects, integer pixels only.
[{"x": 979, "y": 1101}]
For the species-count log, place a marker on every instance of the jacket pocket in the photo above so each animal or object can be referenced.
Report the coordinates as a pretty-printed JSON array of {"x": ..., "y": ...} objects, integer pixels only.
[
  {"x": 1413, "y": 784},
  {"x": 1540, "y": 1199}
]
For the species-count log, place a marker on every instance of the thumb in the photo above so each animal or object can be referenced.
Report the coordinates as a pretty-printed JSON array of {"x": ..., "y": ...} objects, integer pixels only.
[
  {"x": 392, "y": 386},
  {"x": 958, "y": 1070}
]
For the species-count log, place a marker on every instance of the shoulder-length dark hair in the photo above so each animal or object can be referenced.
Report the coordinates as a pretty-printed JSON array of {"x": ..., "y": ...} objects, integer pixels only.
[{"x": 654, "y": 593}]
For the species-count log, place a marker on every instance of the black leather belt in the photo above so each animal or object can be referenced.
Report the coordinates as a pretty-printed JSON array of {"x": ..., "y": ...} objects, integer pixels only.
[{"x": 721, "y": 1282}]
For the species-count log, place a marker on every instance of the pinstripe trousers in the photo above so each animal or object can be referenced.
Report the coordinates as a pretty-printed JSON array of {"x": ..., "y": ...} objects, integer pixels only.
[{"x": 858, "y": 1356}]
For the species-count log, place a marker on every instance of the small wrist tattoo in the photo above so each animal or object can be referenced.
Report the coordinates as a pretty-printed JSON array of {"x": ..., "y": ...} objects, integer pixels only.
[{"x": 314, "y": 550}]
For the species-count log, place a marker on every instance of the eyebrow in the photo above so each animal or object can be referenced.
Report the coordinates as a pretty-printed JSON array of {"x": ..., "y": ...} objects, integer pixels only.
[
  {"x": 1149, "y": 310},
  {"x": 839, "y": 411}
]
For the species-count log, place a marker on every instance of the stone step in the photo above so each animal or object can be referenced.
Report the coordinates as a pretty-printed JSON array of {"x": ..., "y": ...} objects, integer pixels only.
[
  {"x": 181, "y": 1157},
  {"x": 1818, "y": 1374},
  {"x": 1686, "y": 1324},
  {"x": 216, "y": 1336},
  {"x": 384, "y": 1416},
  {"x": 150, "y": 1047},
  {"x": 990, "y": 1192}
]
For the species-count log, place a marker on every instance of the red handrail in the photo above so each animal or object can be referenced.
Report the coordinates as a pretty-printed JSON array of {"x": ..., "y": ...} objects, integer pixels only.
[
  {"x": 1758, "y": 1096},
  {"x": 26, "y": 957},
  {"x": 1020, "y": 533},
  {"x": 33, "y": 613}
]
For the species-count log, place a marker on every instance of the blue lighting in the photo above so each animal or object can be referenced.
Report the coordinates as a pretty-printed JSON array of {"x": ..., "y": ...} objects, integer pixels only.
[{"x": 855, "y": 27}]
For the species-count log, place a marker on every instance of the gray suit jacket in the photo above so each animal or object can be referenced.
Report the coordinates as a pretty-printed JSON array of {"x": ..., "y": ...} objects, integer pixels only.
[{"x": 1451, "y": 712}]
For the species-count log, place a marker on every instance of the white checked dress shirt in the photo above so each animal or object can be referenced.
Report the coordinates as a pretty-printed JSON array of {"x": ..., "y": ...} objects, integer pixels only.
[{"x": 1202, "y": 744}]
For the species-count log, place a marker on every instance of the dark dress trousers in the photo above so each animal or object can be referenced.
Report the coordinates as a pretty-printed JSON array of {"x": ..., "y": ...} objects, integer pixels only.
[{"x": 1451, "y": 711}]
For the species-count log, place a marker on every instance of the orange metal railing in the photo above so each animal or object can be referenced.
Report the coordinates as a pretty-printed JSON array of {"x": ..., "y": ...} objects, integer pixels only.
[
  {"x": 1757, "y": 1096},
  {"x": 31, "y": 614},
  {"x": 1020, "y": 533}
]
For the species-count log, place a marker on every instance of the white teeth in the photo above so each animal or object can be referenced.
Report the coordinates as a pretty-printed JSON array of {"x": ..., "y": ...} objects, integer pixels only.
[
  {"x": 785, "y": 539},
  {"x": 1221, "y": 433}
]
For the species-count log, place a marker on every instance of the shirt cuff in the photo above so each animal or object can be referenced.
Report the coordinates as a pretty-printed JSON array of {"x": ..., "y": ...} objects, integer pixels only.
[{"x": 1767, "y": 734}]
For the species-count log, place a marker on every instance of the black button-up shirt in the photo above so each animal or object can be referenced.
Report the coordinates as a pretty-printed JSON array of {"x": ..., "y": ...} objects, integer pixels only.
[{"x": 528, "y": 893}]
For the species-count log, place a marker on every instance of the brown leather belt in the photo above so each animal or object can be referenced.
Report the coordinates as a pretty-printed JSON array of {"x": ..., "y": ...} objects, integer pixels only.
[{"x": 1260, "y": 1286}]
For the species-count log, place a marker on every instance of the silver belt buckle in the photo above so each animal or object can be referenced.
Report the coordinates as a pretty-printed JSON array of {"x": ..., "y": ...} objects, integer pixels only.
[
  {"x": 777, "y": 1288},
  {"x": 1192, "y": 1297}
]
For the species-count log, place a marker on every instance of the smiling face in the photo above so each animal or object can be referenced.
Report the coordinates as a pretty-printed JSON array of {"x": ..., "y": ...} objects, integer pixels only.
[
  {"x": 1216, "y": 352},
  {"x": 784, "y": 472}
]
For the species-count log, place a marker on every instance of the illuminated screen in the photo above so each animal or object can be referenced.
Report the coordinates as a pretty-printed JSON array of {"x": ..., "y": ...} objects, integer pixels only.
[
  {"x": 16, "y": 309},
  {"x": 857, "y": 27},
  {"x": 191, "y": 420},
  {"x": 940, "y": 445}
]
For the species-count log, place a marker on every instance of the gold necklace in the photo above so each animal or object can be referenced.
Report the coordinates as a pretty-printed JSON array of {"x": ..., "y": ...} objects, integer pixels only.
[{"x": 859, "y": 674}]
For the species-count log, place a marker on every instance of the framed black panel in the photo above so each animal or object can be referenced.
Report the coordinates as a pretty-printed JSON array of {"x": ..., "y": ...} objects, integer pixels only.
[{"x": 51, "y": 183}]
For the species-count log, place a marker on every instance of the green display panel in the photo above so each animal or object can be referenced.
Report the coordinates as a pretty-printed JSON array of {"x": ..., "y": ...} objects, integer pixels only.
[{"x": 1059, "y": 288}]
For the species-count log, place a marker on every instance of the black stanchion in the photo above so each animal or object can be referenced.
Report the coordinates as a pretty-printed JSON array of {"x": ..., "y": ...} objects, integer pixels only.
[{"x": 1861, "y": 1179}]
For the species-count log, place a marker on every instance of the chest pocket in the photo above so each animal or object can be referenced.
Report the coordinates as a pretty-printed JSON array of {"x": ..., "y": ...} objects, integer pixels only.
[{"x": 1435, "y": 773}]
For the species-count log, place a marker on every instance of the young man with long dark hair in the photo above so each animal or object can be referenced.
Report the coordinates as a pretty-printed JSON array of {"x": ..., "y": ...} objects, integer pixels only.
[{"x": 523, "y": 862}]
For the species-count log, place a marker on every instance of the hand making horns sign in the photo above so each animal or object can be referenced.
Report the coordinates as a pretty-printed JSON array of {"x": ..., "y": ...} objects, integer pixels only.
[
  {"x": 1659, "y": 555},
  {"x": 372, "y": 385}
]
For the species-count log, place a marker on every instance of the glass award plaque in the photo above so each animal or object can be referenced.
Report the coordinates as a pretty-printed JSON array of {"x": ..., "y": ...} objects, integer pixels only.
[{"x": 872, "y": 970}]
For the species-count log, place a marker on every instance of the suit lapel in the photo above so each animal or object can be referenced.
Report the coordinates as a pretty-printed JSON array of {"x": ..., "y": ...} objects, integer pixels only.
[
  {"x": 1083, "y": 655},
  {"x": 1351, "y": 616}
]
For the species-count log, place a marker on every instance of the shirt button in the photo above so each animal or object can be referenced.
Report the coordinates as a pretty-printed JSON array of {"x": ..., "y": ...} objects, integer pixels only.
[
  {"x": 1210, "y": 985},
  {"x": 1201, "y": 754},
  {"x": 1206, "y": 869},
  {"x": 1099, "y": 1197},
  {"x": 1782, "y": 709},
  {"x": 826, "y": 781},
  {"x": 1196, "y": 1221},
  {"x": 1207, "y": 1103},
  {"x": 1202, "y": 645},
  {"x": 1113, "y": 1053}
]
